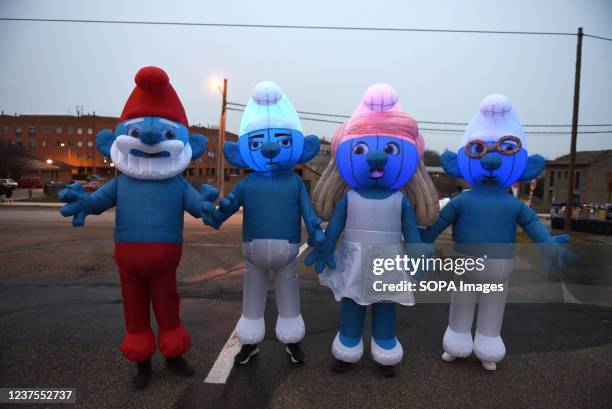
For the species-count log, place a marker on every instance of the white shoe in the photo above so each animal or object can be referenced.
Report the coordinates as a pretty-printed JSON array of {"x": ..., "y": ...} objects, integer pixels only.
[
  {"x": 347, "y": 354},
  {"x": 489, "y": 349},
  {"x": 488, "y": 365},
  {"x": 249, "y": 331},
  {"x": 448, "y": 357}
]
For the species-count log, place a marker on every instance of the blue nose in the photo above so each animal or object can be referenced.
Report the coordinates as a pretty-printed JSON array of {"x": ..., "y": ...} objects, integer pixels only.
[
  {"x": 377, "y": 159},
  {"x": 150, "y": 138},
  {"x": 270, "y": 149},
  {"x": 491, "y": 161}
]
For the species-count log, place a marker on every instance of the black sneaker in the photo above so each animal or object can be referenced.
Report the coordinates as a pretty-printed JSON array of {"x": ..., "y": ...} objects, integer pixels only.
[
  {"x": 143, "y": 376},
  {"x": 340, "y": 366},
  {"x": 295, "y": 353},
  {"x": 245, "y": 354},
  {"x": 388, "y": 371},
  {"x": 180, "y": 366}
]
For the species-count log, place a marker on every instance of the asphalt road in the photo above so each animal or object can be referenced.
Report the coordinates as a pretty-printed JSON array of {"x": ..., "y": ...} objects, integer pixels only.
[{"x": 61, "y": 324}]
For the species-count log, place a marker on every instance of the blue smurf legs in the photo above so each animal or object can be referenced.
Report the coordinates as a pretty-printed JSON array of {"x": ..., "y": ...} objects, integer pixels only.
[
  {"x": 385, "y": 348},
  {"x": 348, "y": 344}
]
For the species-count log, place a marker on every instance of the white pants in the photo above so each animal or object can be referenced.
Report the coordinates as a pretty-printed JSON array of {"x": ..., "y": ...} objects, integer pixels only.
[
  {"x": 487, "y": 343},
  {"x": 261, "y": 257}
]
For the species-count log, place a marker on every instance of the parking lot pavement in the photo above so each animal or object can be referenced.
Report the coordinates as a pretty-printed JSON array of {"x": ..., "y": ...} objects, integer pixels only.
[{"x": 61, "y": 320}]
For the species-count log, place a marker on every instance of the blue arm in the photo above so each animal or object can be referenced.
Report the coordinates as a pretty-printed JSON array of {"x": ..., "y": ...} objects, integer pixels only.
[
  {"x": 227, "y": 206},
  {"x": 448, "y": 216},
  {"x": 310, "y": 217},
  {"x": 80, "y": 204},
  {"x": 193, "y": 200},
  {"x": 323, "y": 254},
  {"x": 412, "y": 237}
]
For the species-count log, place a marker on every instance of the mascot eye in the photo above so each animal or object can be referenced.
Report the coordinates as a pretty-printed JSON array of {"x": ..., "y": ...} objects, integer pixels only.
[
  {"x": 254, "y": 145},
  {"x": 135, "y": 132},
  {"x": 168, "y": 134},
  {"x": 285, "y": 143},
  {"x": 392, "y": 148},
  {"x": 361, "y": 148}
]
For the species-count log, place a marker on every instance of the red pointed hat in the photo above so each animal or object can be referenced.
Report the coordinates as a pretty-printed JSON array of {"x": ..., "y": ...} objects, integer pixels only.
[{"x": 154, "y": 96}]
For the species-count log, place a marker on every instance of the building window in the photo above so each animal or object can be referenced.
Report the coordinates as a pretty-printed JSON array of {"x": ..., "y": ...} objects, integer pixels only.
[
  {"x": 90, "y": 156},
  {"x": 79, "y": 131},
  {"x": 90, "y": 144},
  {"x": 200, "y": 171},
  {"x": 577, "y": 180},
  {"x": 565, "y": 175},
  {"x": 551, "y": 182},
  {"x": 43, "y": 144},
  {"x": 80, "y": 144},
  {"x": 45, "y": 130},
  {"x": 69, "y": 130},
  {"x": 18, "y": 131},
  {"x": 32, "y": 143},
  {"x": 89, "y": 131},
  {"x": 31, "y": 131},
  {"x": 58, "y": 130}
]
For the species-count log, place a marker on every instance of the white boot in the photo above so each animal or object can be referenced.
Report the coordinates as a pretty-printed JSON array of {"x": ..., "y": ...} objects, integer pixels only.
[
  {"x": 345, "y": 353},
  {"x": 456, "y": 345},
  {"x": 290, "y": 330},
  {"x": 489, "y": 350},
  {"x": 250, "y": 332},
  {"x": 387, "y": 357}
]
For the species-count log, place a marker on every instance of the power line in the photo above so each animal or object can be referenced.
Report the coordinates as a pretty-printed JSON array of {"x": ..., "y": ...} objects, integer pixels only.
[
  {"x": 437, "y": 122},
  {"x": 598, "y": 37},
  {"x": 282, "y": 26},
  {"x": 444, "y": 130}
]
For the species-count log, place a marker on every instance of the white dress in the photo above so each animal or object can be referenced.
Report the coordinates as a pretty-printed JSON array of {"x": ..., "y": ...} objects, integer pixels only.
[{"x": 373, "y": 230}]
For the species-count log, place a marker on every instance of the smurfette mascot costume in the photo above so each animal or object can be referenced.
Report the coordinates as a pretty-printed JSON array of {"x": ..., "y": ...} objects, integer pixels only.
[
  {"x": 275, "y": 201},
  {"x": 378, "y": 189},
  {"x": 492, "y": 155}
]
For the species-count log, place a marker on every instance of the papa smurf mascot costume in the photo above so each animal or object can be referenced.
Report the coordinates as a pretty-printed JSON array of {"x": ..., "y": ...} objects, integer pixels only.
[
  {"x": 151, "y": 146},
  {"x": 491, "y": 157},
  {"x": 378, "y": 189},
  {"x": 274, "y": 200}
]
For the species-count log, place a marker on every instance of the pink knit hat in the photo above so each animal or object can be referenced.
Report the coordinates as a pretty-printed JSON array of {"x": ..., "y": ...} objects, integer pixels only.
[{"x": 379, "y": 113}]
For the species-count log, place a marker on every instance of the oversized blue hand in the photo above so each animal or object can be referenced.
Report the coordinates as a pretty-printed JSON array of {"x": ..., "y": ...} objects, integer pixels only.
[
  {"x": 317, "y": 237},
  {"x": 416, "y": 250},
  {"x": 322, "y": 255},
  {"x": 227, "y": 203},
  {"x": 209, "y": 194},
  {"x": 76, "y": 198},
  {"x": 556, "y": 255}
]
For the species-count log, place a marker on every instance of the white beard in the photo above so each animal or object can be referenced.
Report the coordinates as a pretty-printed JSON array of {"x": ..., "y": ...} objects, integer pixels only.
[{"x": 150, "y": 168}]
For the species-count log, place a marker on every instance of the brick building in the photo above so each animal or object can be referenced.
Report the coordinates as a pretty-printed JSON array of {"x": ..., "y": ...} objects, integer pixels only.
[
  {"x": 592, "y": 182},
  {"x": 71, "y": 141}
]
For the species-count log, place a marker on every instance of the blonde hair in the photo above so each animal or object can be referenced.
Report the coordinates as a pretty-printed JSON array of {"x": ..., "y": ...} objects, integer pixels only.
[{"x": 420, "y": 190}]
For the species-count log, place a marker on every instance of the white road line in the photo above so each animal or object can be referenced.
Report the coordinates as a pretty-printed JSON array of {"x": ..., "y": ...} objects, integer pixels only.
[{"x": 222, "y": 367}]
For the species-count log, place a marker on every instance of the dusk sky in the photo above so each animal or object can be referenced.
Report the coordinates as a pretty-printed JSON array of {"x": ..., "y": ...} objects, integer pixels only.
[{"x": 51, "y": 67}]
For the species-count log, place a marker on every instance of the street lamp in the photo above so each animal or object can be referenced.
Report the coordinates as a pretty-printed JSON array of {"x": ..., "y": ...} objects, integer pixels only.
[
  {"x": 221, "y": 86},
  {"x": 49, "y": 161}
]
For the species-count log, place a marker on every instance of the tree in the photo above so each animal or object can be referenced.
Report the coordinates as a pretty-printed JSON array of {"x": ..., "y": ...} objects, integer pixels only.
[
  {"x": 10, "y": 153},
  {"x": 431, "y": 158}
]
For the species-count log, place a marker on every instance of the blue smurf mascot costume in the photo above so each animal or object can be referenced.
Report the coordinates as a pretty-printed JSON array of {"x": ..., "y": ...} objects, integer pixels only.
[
  {"x": 150, "y": 146},
  {"x": 492, "y": 156},
  {"x": 379, "y": 190},
  {"x": 274, "y": 200}
]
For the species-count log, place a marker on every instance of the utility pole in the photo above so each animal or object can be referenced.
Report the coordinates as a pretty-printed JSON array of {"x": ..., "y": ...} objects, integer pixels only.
[
  {"x": 572, "y": 156},
  {"x": 220, "y": 162}
]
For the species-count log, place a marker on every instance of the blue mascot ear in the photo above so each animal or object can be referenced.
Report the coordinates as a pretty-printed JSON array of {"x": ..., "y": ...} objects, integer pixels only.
[
  {"x": 232, "y": 154},
  {"x": 311, "y": 148},
  {"x": 198, "y": 143},
  {"x": 104, "y": 141},
  {"x": 449, "y": 163},
  {"x": 535, "y": 166}
]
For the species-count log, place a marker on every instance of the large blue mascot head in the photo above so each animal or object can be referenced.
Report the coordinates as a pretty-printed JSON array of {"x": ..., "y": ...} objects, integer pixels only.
[
  {"x": 152, "y": 140},
  {"x": 493, "y": 148},
  {"x": 380, "y": 145},
  {"x": 270, "y": 137}
]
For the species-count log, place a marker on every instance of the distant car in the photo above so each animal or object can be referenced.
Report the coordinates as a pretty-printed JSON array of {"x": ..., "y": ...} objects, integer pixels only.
[
  {"x": 7, "y": 186},
  {"x": 91, "y": 186},
  {"x": 30, "y": 183},
  {"x": 96, "y": 178},
  {"x": 53, "y": 187}
]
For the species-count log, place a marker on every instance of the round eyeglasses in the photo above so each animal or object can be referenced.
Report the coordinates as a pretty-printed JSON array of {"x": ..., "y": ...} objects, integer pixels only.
[{"x": 506, "y": 145}]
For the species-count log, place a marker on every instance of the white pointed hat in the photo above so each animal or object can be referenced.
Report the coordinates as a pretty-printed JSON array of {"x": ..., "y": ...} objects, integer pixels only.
[
  {"x": 269, "y": 107},
  {"x": 495, "y": 118}
]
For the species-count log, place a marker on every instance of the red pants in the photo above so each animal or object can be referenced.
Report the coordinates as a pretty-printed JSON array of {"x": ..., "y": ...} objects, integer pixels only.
[{"x": 148, "y": 274}]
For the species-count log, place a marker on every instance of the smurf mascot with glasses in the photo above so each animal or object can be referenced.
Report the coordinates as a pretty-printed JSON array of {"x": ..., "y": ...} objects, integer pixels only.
[
  {"x": 150, "y": 146},
  {"x": 274, "y": 200},
  {"x": 491, "y": 157},
  {"x": 375, "y": 190}
]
